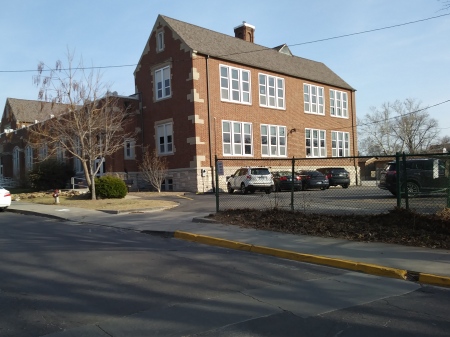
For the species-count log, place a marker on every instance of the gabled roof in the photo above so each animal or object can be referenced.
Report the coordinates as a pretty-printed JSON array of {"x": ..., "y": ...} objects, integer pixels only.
[
  {"x": 28, "y": 111},
  {"x": 230, "y": 48}
]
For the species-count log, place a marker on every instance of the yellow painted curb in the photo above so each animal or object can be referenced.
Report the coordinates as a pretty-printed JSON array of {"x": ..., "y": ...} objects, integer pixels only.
[
  {"x": 443, "y": 281},
  {"x": 285, "y": 254}
]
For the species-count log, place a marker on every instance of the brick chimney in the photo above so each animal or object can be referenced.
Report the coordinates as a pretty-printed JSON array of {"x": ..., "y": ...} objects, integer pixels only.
[{"x": 245, "y": 32}]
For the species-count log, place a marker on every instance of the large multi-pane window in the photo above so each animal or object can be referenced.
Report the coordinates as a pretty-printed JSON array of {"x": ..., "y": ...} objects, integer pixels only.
[
  {"x": 129, "y": 146},
  {"x": 162, "y": 83},
  {"x": 16, "y": 161},
  {"x": 273, "y": 140},
  {"x": 340, "y": 144},
  {"x": 237, "y": 138},
  {"x": 313, "y": 97},
  {"x": 338, "y": 103},
  {"x": 165, "y": 138},
  {"x": 28, "y": 158},
  {"x": 43, "y": 152},
  {"x": 271, "y": 91},
  {"x": 315, "y": 143},
  {"x": 60, "y": 154},
  {"x": 234, "y": 84}
]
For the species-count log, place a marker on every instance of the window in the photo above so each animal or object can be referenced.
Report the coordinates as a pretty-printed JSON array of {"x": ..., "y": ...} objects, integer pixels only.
[
  {"x": 160, "y": 41},
  {"x": 340, "y": 144},
  {"x": 237, "y": 138},
  {"x": 167, "y": 184},
  {"x": 338, "y": 103},
  {"x": 16, "y": 161},
  {"x": 271, "y": 91},
  {"x": 313, "y": 96},
  {"x": 28, "y": 158},
  {"x": 78, "y": 167},
  {"x": 234, "y": 85},
  {"x": 165, "y": 138},
  {"x": 60, "y": 154},
  {"x": 43, "y": 152},
  {"x": 129, "y": 146},
  {"x": 162, "y": 83},
  {"x": 273, "y": 140},
  {"x": 315, "y": 143}
]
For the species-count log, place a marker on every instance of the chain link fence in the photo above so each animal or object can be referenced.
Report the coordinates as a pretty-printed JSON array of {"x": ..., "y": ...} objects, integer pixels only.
[{"x": 375, "y": 184}]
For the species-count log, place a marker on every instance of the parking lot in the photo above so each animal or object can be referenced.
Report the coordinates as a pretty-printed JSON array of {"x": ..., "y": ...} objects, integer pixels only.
[{"x": 335, "y": 200}]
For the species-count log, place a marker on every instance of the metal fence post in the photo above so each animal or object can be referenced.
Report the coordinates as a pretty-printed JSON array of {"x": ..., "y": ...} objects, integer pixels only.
[
  {"x": 292, "y": 187},
  {"x": 398, "y": 180},
  {"x": 217, "y": 183},
  {"x": 405, "y": 178}
]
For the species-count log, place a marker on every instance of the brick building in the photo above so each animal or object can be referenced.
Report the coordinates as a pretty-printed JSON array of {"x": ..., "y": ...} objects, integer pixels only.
[{"x": 204, "y": 94}]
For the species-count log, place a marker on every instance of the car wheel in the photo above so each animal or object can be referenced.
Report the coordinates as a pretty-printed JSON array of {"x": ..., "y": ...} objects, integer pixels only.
[
  {"x": 252, "y": 191},
  {"x": 230, "y": 190},
  {"x": 323, "y": 188},
  {"x": 244, "y": 189},
  {"x": 412, "y": 187},
  {"x": 2, "y": 209},
  {"x": 328, "y": 187},
  {"x": 304, "y": 187},
  {"x": 345, "y": 186},
  {"x": 268, "y": 190}
]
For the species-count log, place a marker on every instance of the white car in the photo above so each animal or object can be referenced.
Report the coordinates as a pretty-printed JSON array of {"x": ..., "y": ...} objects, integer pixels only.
[
  {"x": 250, "y": 179},
  {"x": 5, "y": 199}
]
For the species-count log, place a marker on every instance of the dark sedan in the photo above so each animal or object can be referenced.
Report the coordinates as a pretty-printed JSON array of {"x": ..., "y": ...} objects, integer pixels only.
[
  {"x": 313, "y": 179},
  {"x": 283, "y": 181}
]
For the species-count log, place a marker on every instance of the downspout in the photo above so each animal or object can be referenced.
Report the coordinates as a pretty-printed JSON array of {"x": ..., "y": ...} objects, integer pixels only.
[
  {"x": 209, "y": 126},
  {"x": 354, "y": 133}
]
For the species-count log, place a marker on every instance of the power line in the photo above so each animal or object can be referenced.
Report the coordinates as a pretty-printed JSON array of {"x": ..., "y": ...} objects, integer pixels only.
[
  {"x": 369, "y": 31},
  {"x": 253, "y": 51}
]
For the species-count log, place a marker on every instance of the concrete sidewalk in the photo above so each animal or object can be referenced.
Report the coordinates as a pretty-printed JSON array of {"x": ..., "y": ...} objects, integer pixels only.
[{"x": 423, "y": 265}]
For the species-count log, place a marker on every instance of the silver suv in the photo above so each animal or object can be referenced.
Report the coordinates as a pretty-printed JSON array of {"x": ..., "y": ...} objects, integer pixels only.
[{"x": 250, "y": 179}]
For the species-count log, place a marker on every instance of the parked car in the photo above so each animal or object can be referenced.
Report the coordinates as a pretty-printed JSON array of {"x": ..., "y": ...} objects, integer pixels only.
[
  {"x": 337, "y": 176},
  {"x": 313, "y": 179},
  {"x": 422, "y": 175},
  {"x": 250, "y": 179},
  {"x": 283, "y": 181},
  {"x": 5, "y": 199}
]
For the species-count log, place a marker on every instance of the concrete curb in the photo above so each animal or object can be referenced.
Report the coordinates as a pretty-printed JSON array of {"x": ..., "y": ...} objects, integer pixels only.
[{"x": 366, "y": 268}]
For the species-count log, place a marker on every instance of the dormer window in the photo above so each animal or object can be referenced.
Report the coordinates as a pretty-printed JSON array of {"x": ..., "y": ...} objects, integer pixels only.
[{"x": 160, "y": 41}]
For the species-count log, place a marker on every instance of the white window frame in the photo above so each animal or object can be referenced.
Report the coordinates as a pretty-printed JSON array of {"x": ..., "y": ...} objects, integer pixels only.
[
  {"x": 235, "y": 85},
  {"x": 16, "y": 161},
  {"x": 316, "y": 143},
  {"x": 273, "y": 141},
  {"x": 271, "y": 91},
  {"x": 314, "y": 100},
  {"x": 28, "y": 158},
  {"x": 164, "y": 134},
  {"x": 129, "y": 149},
  {"x": 162, "y": 83},
  {"x": 43, "y": 151},
  {"x": 340, "y": 144},
  {"x": 77, "y": 165},
  {"x": 237, "y": 138},
  {"x": 338, "y": 103},
  {"x": 160, "y": 41}
]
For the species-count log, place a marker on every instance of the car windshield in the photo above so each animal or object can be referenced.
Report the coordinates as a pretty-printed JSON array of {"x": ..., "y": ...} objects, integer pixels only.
[
  {"x": 285, "y": 173},
  {"x": 260, "y": 171}
]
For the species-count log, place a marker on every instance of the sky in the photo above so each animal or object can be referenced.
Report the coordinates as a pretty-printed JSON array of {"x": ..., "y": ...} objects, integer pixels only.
[{"x": 406, "y": 61}]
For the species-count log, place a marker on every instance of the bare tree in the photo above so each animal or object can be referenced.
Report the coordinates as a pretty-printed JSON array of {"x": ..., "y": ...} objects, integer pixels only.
[
  {"x": 398, "y": 126},
  {"x": 154, "y": 169},
  {"x": 445, "y": 4},
  {"x": 92, "y": 126}
]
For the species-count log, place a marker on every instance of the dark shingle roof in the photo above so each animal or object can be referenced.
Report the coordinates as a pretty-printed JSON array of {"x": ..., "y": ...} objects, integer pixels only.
[
  {"x": 233, "y": 49},
  {"x": 28, "y": 111}
]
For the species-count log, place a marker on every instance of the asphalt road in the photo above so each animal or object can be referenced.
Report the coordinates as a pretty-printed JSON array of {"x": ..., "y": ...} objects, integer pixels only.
[{"x": 67, "y": 279}]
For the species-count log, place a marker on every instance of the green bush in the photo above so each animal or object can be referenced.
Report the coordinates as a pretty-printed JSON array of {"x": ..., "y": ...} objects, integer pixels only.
[
  {"x": 50, "y": 174},
  {"x": 109, "y": 187}
]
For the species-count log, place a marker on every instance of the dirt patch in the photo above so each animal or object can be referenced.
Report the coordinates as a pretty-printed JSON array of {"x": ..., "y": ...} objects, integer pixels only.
[{"x": 398, "y": 226}]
